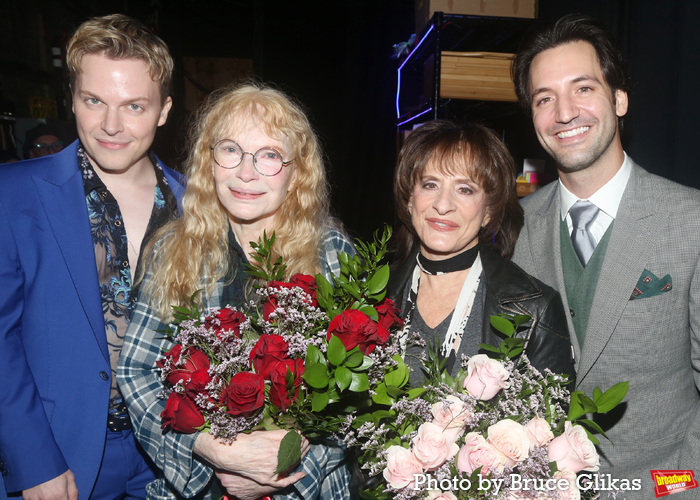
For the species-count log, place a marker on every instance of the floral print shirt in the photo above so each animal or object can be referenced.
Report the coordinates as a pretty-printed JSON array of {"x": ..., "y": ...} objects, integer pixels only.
[{"x": 114, "y": 271}]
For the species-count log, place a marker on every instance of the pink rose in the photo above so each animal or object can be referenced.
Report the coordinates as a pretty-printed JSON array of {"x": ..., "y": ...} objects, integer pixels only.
[
  {"x": 485, "y": 377},
  {"x": 432, "y": 447},
  {"x": 477, "y": 452},
  {"x": 401, "y": 467},
  {"x": 539, "y": 431},
  {"x": 564, "y": 478},
  {"x": 509, "y": 437},
  {"x": 573, "y": 450},
  {"x": 441, "y": 495},
  {"x": 452, "y": 415}
]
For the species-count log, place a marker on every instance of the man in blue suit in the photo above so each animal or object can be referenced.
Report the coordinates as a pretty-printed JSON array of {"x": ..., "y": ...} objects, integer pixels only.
[{"x": 71, "y": 229}]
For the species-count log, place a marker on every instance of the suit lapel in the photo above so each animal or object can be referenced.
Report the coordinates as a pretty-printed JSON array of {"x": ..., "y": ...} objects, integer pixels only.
[
  {"x": 62, "y": 196},
  {"x": 624, "y": 262},
  {"x": 546, "y": 252}
]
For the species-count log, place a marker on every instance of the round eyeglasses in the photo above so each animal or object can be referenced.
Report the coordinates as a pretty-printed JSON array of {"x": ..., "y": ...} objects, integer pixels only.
[{"x": 267, "y": 161}]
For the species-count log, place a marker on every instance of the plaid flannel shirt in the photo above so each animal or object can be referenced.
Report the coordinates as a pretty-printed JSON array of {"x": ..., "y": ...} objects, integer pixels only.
[{"x": 327, "y": 477}]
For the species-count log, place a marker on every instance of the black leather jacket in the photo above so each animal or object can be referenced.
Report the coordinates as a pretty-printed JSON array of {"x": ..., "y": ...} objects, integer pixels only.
[{"x": 510, "y": 290}]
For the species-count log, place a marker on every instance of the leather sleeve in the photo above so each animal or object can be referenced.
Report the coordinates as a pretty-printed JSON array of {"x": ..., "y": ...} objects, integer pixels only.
[{"x": 550, "y": 345}]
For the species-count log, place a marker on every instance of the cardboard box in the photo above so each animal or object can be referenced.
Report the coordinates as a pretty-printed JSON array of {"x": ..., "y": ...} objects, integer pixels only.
[
  {"x": 483, "y": 76},
  {"x": 499, "y": 8}
]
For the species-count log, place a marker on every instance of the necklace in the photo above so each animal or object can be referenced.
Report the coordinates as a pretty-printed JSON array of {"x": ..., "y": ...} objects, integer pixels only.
[
  {"x": 460, "y": 315},
  {"x": 136, "y": 252},
  {"x": 459, "y": 262}
]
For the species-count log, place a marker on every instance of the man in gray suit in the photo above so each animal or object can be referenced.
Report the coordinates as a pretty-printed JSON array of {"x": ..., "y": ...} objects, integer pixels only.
[{"x": 621, "y": 246}]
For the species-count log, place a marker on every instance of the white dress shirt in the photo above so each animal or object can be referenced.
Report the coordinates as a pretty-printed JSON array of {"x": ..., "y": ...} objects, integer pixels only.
[{"x": 607, "y": 199}]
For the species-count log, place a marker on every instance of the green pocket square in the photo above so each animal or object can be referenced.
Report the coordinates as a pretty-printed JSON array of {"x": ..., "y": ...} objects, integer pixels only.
[{"x": 649, "y": 285}]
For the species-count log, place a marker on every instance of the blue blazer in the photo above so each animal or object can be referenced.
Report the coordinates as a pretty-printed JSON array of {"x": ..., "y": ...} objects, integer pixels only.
[{"x": 55, "y": 374}]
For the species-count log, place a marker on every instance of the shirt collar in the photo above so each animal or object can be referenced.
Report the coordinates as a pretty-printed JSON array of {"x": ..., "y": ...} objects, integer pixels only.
[
  {"x": 92, "y": 181},
  {"x": 607, "y": 198}
]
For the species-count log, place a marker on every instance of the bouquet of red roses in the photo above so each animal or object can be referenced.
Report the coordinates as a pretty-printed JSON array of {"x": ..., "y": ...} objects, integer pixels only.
[{"x": 302, "y": 357}]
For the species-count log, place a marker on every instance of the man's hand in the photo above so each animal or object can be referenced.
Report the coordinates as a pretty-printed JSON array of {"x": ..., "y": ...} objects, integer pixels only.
[
  {"x": 253, "y": 456},
  {"x": 59, "y": 488}
]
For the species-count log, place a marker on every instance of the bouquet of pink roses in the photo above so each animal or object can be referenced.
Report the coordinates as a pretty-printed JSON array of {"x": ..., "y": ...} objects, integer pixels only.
[
  {"x": 498, "y": 430},
  {"x": 302, "y": 357}
]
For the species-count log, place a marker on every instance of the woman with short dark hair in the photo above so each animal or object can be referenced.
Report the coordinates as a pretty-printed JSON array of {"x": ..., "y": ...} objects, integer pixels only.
[{"x": 455, "y": 196}]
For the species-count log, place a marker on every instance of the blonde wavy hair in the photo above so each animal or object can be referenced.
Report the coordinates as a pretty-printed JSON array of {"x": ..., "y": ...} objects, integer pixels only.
[
  {"x": 196, "y": 245},
  {"x": 120, "y": 37}
]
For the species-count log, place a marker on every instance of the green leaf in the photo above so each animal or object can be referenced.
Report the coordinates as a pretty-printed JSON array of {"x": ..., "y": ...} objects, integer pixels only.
[
  {"x": 324, "y": 293},
  {"x": 370, "y": 311},
  {"x": 354, "y": 358},
  {"x": 580, "y": 405},
  {"x": 597, "y": 393},
  {"x": 366, "y": 364},
  {"x": 588, "y": 405},
  {"x": 182, "y": 310},
  {"x": 336, "y": 351},
  {"x": 343, "y": 377},
  {"x": 590, "y": 424},
  {"x": 352, "y": 289},
  {"x": 265, "y": 269},
  {"x": 610, "y": 398},
  {"x": 316, "y": 375},
  {"x": 399, "y": 376},
  {"x": 520, "y": 320},
  {"x": 361, "y": 419},
  {"x": 289, "y": 453},
  {"x": 380, "y": 414},
  {"x": 319, "y": 400},
  {"x": 394, "y": 392},
  {"x": 313, "y": 356},
  {"x": 381, "y": 397},
  {"x": 489, "y": 347},
  {"x": 376, "y": 297},
  {"x": 379, "y": 281},
  {"x": 416, "y": 392},
  {"x": 503, "y": 325},
  {"x": 359, "y": 383}
]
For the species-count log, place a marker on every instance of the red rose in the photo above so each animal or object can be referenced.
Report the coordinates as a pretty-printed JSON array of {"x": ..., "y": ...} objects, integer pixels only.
[
  {"x": 197, "y": 383},
  {"x": 267, "y": 351},
  {"x": 279, "y": 389},
  {"x": 244, "y": 394},
  {"x": 355, "y": 328},
  {"x": 304, "y": 281},
  {"x": 173, "y": 356},
  {"x": 229, "y": 322},
  {"x": 186, "y": 363},
  {"x": 388, "y": 314},
  {"x": 181, "y": 414},
  {"x": 269, "y": 307}
]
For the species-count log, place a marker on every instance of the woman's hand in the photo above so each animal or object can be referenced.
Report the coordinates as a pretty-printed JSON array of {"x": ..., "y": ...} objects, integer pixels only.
[
  {"x": 253, "y": 456},
  {"x": 241, "y": 488}
]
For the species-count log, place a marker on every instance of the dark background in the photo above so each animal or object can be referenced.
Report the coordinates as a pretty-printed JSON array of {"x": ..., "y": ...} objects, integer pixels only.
[{"x": 336, "y": 58}]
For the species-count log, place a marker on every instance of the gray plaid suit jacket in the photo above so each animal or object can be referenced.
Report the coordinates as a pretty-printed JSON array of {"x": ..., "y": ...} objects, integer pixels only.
[{"x": 654, "y": 342}]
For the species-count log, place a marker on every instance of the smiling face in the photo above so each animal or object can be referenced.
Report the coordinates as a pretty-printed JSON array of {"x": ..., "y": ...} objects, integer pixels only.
[
  {"x": 250, "y": 198},
  {"x": 447, "y": 211},
  {"x": 117, "y": 109},
  {"x": 574, "y": 111}
]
